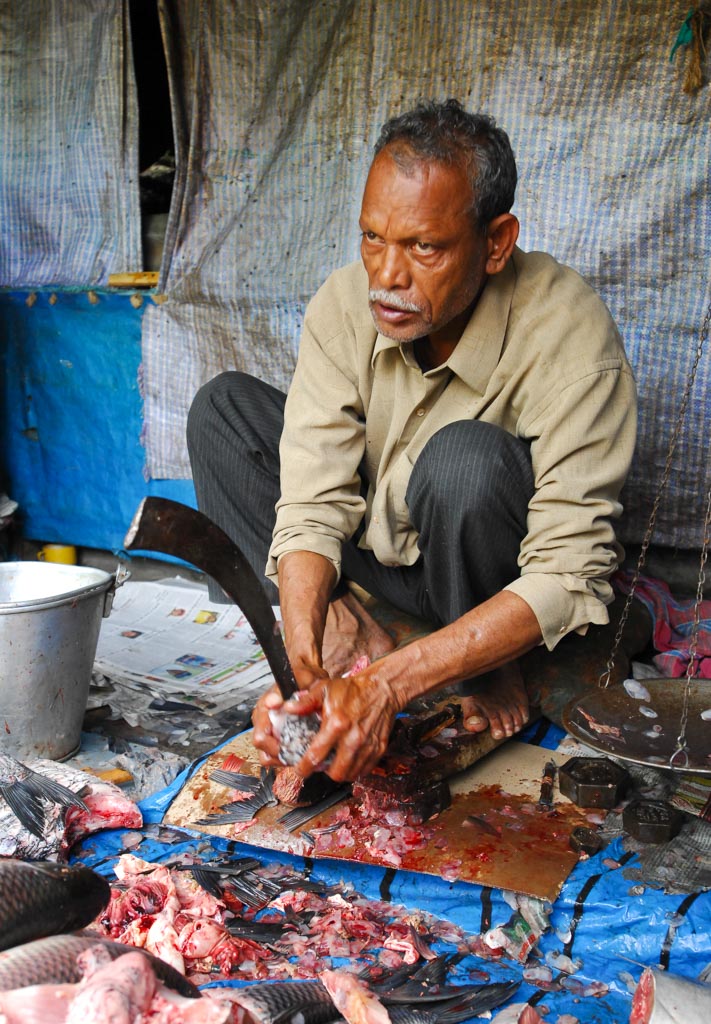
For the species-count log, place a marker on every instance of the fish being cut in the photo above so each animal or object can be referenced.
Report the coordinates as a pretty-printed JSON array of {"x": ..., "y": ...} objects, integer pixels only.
[
  {"x": 97, "y": 804},
  {"x": 54, "y": 960},
  {"x": 42, "y": 898}
]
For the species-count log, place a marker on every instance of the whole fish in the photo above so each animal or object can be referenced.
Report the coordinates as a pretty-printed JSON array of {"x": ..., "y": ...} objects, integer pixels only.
[
  {"x": 28, "y": 793},
  {"x": 40, "y": 898},
  {"x": 53, "y": 960}
]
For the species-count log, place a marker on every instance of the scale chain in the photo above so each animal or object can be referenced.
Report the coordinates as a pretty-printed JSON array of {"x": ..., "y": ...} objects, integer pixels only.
[
  {"x": 681, "y": 754},
  {"x": 604, "y": 680}
]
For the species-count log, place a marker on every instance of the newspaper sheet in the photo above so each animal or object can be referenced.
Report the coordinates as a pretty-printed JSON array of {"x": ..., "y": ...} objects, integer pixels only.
[{"x": 169, "y": 639}]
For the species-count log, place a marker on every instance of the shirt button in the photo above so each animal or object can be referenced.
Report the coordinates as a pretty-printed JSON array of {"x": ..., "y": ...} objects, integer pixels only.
[
  {"x": 375, "y": 519},
  {"x": 563, "y": 629},
  {"x": 420, "y": 412}
]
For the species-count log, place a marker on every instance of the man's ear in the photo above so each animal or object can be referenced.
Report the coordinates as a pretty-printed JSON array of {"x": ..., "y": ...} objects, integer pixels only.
[{"x": 501, "y": 235}]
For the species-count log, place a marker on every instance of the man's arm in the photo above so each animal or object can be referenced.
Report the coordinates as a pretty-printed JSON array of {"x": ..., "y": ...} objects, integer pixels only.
[{"x": 359, "y": 712}]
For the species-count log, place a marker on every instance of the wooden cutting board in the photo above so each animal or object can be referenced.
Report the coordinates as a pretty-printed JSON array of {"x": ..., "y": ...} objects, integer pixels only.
[{"x": 512, "y": 843}]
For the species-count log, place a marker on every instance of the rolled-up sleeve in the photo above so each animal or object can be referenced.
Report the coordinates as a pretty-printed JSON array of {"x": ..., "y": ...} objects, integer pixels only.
[
  {"x": 321, "y": 446},
  {"x": 582, "y": 443}
]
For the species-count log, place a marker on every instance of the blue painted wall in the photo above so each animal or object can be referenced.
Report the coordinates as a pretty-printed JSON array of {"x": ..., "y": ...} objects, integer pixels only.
[{"x": 71, "y": 415}]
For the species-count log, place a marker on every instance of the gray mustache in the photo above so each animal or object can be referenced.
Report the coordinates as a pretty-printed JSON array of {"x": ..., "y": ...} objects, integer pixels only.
[{"x": 392, "y": 299}]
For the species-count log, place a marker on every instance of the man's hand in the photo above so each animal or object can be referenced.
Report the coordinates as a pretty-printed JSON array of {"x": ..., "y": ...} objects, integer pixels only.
[
  {"x": 263, "y": 734},
  {"x": 358, "y": 717}
]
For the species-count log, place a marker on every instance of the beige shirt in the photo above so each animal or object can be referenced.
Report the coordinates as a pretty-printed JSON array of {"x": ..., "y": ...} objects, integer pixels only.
[{"x": 540, "y": 357}]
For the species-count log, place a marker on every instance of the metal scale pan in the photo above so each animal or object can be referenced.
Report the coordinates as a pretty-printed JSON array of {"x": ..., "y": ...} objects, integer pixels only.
[
  {"x": 617, "y": 724},
  {"x": 663, "y": 723}
]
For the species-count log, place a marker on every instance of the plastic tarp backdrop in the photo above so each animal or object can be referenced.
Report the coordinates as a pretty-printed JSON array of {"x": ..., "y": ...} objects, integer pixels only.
[
  {"x": 69, "y": 155},
  {"x": 276, "y": 105}
]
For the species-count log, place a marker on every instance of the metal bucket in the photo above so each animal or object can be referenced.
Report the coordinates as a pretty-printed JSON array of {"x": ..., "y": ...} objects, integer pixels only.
[{"x": 50, "y": 615}]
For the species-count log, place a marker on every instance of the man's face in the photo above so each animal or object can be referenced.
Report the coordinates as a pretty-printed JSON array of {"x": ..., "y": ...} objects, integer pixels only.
[{"x": 426, "y": 262}]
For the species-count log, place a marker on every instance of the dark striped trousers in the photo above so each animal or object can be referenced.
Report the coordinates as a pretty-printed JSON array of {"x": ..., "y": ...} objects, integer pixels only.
[{"x": 467, "y": 497}]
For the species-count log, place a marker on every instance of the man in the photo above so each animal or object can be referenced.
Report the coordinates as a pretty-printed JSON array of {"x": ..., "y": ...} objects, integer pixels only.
[{"x": 458, "y": 429}]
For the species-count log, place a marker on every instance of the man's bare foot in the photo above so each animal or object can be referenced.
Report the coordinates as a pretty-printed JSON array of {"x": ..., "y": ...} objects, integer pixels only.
[
  {"x": 350, "y": 633},
  {"x": 501, "y": 704}
]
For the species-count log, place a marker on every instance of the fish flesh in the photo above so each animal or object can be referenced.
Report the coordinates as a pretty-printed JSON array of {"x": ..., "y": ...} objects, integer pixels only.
[
  {"x": 296, "y": 791},
  {"x": 39, "y": 898},
  {"x": 116, "y": 992},
  {"x": 355, "y": 1001},
  {"x": 54, "y": 960},
  {"x": 662, "y": 998},
  {"x": 27, "y": 793},
  {"x": 123, "y": 991},
  {"x": 376, "y": 795},
  {"x": 97, "y": 805}
]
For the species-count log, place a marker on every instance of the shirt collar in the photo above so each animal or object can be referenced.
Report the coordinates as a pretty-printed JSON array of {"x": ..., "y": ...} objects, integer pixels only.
[{"x": 480, "y": 346}]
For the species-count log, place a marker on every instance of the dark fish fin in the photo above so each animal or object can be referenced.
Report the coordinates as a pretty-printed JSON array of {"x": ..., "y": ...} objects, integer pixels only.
[
  {"x": 27, "y": 807},
  {"x": 300, "y": 815},
  {"x": 414, "y": 994},
  {"x": 391, "y": 980},
  {"x": 243, "y": 810},
  {"x": 207, "y": 881},
  {"x": 266, "y": 780},
  {"x": 434, "y": 972},
  {"x": 53, "y": 791},
  {"x": 170, "y": 976},
  {"x": 236, "y": 780},
  {"x": 488, "y": 997}
]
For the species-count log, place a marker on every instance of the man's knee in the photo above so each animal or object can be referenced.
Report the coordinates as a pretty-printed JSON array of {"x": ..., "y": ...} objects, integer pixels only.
[
  {"x": 208, "y": 406},
  {"x": 472, "y": 462}
]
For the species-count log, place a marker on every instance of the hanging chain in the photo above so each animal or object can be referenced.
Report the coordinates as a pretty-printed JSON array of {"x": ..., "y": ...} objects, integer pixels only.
[
  {"x": 680, "y": 757},
  {"x": 604, "y": 679}
]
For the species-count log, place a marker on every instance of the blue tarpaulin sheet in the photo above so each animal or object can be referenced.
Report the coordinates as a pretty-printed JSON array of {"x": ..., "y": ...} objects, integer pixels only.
[{"x": 610, "y": 927}]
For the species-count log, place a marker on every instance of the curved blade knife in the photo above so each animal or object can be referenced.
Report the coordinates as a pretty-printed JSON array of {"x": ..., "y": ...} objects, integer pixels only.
[{"x": 178, "y": 530}]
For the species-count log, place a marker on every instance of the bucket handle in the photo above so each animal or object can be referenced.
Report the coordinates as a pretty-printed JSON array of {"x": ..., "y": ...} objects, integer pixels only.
[{"x": 119, "y": 578}]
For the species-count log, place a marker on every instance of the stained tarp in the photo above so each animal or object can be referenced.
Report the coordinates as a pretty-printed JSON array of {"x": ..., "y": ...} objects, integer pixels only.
[
  {"x": 69, "y": 155},
  {"x": 603, "y": 929},
  {"x": 277, "y": 105}
]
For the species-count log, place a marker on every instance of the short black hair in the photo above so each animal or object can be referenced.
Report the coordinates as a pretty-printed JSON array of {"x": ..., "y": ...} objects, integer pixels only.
[{"x": 447, "y": 133}]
